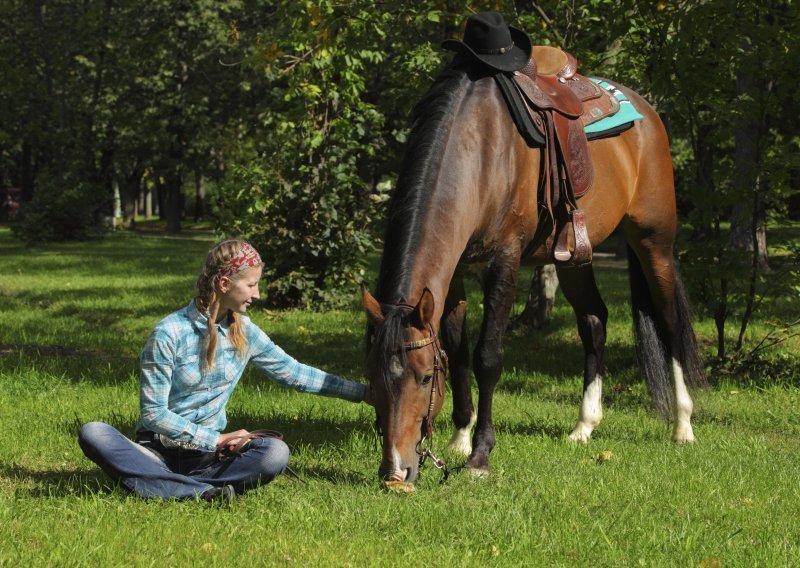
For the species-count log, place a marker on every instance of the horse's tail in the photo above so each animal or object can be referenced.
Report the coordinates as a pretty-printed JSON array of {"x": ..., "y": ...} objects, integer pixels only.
[{"x": 652, "y": 349}]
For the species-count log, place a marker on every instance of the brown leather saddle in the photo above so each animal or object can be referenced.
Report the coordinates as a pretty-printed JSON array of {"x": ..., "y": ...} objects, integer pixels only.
[{"x": 560, "y": 103}]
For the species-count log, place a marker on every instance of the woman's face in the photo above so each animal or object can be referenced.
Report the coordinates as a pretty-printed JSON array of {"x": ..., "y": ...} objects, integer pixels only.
[{"x": 238, "y": 291}]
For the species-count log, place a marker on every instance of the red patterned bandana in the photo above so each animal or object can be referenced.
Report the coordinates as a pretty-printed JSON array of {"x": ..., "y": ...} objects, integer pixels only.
[{"x": 247, "y": 258}]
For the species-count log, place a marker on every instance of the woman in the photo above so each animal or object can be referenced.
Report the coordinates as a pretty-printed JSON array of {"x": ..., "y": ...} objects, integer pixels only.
[{"x": 189, "y": 368}]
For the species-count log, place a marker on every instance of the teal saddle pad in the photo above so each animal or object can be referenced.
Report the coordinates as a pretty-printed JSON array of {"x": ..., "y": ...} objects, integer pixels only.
[{"x": 626, "y": 113}]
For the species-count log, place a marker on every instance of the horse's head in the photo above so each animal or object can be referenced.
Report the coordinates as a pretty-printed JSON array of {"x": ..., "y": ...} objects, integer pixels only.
[{"x": 406, "y": 369}]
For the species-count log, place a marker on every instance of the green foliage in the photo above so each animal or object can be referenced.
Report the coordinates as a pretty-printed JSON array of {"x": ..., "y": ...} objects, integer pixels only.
[
  {"x": 300, "y": 198},
  {"x": 717, "y": 72},
  {"x": 296, "y": 113},
  {"x": 62, "y": 210}
]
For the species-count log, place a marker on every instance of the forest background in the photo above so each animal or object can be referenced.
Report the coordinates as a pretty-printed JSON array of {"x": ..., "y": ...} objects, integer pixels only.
[{"x": 284, "y": 122}]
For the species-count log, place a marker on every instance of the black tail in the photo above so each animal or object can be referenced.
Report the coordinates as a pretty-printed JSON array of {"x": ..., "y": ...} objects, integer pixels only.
[{"x": 652, "y": 349}]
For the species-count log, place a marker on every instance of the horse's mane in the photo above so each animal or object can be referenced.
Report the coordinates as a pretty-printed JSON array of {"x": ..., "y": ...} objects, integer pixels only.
[
  {"x": 409, "y": 205},
  {"x": 389, "y": 339}
]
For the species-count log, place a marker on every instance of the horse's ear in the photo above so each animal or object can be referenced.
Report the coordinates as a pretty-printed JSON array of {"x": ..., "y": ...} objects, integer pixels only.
[
  {"x": 423, "y": 311},
  {"x": 371, "y": 306}
]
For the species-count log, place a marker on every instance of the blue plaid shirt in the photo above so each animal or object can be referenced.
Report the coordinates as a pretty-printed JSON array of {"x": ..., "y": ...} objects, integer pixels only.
[{"x": 185, "y": 403}]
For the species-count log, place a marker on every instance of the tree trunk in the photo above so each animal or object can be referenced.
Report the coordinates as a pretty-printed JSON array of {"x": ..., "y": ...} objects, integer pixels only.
[
  {"x": 148, "y": 203},
  {"x": 199, "y": 195},
  {"x": 26, "y": 172},
  {"x": 3, "y": 192},
  {"x": 174, "y": 202},
  {"x": 541, "y": 298},
  {"x": 160, "y": 203},
  {"x": 129, "y": 195},
  {"x": 749, "y": 209}
]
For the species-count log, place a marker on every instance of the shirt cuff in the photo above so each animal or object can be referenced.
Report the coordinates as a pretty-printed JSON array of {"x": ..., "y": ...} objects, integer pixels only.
[
  {"x": 353, "y": 391},
  {"x": 206, "y": 438}
]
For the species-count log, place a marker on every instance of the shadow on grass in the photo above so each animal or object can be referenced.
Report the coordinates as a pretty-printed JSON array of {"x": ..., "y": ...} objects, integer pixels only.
[
  {"x": 533, "y": 428},
  {"x": 335, "y": 476},
  {"x": 76, "y": 365},
  {"x": 58, "y": 483},
  {"x": 314, "y": 431},
  {"x": 118, "y": 254},
  {"x": 555, "y": 432}
]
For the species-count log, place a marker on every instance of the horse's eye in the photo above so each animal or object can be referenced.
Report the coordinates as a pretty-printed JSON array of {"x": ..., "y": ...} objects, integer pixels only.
[{"x": 426, "y": 379}]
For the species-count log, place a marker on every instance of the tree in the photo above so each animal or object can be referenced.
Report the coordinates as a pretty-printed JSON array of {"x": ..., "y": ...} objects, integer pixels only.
[{"x": 716, "y": 69}]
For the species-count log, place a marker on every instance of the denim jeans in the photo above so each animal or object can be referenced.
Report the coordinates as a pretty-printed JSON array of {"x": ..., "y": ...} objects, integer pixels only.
[{"x": 152, "y": 471}]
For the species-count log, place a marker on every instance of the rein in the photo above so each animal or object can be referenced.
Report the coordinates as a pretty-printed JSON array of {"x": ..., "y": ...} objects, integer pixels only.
[
  {"x": 437, "y": 386},
  {"x": 440, "y": 366}
]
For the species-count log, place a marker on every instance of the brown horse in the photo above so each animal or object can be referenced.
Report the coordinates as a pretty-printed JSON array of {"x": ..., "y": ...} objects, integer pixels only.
[{"x": 467, "y": 194}]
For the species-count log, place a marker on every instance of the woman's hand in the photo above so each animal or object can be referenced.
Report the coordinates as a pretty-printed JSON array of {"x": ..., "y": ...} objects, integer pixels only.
[
  {"x": 368, "y": 395},
  {"x": 231, "y": 438}
]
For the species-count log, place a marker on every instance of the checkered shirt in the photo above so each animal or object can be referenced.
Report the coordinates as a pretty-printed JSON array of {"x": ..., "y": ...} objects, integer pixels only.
[{"x": 185, "y": 403}]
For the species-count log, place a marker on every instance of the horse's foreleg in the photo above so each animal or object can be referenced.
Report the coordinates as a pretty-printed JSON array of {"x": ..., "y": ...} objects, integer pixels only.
[
  {"x": 580, "y": 289},
  {"x": 454, "y": 338},
  {"x": 500, "y": 283}
]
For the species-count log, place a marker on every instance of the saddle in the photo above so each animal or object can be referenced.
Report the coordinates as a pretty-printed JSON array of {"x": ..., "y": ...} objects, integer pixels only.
[{"x": 551, "y": 104}]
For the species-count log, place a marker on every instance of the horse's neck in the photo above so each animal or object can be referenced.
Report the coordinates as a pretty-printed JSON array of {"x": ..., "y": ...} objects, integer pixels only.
[
  {"x": 430, "y": 255},
  {"x": 461, "y": 187}
]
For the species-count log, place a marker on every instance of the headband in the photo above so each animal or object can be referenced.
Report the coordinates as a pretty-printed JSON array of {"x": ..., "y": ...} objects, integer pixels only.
[{"x": 247, "y": 258}]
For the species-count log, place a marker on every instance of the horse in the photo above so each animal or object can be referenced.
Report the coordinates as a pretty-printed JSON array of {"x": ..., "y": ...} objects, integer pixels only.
[{"x": 466, "y": 194}]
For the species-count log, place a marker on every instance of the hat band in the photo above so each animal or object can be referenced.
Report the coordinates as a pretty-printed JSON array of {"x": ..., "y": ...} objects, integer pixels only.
[{"x": 499, "y": 51}]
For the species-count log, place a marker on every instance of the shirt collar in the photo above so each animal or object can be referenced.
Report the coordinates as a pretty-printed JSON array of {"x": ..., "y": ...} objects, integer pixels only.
[{"x": 200, "y": 319}]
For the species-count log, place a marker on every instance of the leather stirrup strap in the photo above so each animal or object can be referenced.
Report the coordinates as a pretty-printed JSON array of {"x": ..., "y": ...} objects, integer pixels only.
[{"x": 582, "y": 254}]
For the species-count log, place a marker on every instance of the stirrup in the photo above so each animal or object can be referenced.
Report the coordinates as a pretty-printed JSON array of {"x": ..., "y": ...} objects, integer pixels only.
[{"x": 583, "y": 248}]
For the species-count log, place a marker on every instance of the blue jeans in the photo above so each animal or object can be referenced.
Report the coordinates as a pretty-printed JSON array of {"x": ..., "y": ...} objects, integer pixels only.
[{"x": 152, "y": 471}]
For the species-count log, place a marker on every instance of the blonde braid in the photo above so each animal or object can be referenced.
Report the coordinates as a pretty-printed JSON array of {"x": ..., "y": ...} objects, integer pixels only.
[{"x": 207, "y": 299}]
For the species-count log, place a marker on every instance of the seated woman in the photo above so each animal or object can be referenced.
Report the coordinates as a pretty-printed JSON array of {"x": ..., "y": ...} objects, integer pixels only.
[{"x": 189, "y": 368}]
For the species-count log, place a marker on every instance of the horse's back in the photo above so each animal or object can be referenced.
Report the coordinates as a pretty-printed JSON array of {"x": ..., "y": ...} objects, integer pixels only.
[{"x": 632, "y": 174}]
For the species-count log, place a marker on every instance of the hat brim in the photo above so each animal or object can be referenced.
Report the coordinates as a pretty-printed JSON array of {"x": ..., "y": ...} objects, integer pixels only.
[{"x": 513, "y": 60}]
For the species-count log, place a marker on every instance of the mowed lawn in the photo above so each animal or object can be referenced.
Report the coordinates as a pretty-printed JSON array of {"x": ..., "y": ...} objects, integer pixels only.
[{"x": 73, "y": 318}]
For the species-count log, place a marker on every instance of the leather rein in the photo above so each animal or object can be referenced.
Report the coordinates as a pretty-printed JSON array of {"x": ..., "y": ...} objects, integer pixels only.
[
  {"x": 437, "y": 386},
  {"x": 440, "y": 365}
]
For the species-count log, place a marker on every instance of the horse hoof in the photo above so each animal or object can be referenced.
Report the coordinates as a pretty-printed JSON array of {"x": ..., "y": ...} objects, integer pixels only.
[
  {"x": 478, "y": 473},
  {"x": 683, "y": 434},
  {"x": 460, "y": 449},
  {"x": 580, "y": 434},
  {"x": 460, "y": 444}
]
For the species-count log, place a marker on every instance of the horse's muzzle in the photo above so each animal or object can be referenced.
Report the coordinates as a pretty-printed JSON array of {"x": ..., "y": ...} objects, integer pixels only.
[{"x": 405, "y": 473}]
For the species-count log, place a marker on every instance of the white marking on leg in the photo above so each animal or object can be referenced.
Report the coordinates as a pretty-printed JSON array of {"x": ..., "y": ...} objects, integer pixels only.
[
  {"x": 682, "y": 432},
  {"x": 591, "y": 411},
  {"x": 461, "y": 442}
]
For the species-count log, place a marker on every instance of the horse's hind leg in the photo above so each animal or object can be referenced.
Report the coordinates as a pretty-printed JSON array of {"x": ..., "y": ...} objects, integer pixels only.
[
  {"x": 665, "y": 339},
  {"x": 580, "y": 289},
  {"x": 454, "y": 339}
]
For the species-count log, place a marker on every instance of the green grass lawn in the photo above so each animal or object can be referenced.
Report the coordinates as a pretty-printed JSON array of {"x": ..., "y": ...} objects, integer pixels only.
[{"x": 73, "y": 318}]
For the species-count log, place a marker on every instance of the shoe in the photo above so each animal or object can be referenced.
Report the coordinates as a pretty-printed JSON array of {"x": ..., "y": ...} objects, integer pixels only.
[{"x": 225, "y": 494}]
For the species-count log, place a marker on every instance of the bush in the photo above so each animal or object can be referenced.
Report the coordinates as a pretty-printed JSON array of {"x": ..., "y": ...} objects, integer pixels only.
[{"x": 61, "y": 210}]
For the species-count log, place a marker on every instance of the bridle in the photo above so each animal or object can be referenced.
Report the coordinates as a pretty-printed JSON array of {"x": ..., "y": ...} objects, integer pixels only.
[{"x": 437, "y": 386}]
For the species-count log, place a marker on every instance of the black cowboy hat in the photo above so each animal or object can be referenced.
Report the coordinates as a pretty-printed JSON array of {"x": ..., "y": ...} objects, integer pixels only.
[{"x": 488, "y": 39}]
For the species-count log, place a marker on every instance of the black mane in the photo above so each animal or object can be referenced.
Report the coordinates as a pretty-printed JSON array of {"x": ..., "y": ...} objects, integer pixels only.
[
  {"x": 389, "y": 339},
  {"x": 408, "y": 207}
]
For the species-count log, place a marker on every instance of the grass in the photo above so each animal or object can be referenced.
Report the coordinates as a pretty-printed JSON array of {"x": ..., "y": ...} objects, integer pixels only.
[{"x": 74, "y": 316}]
